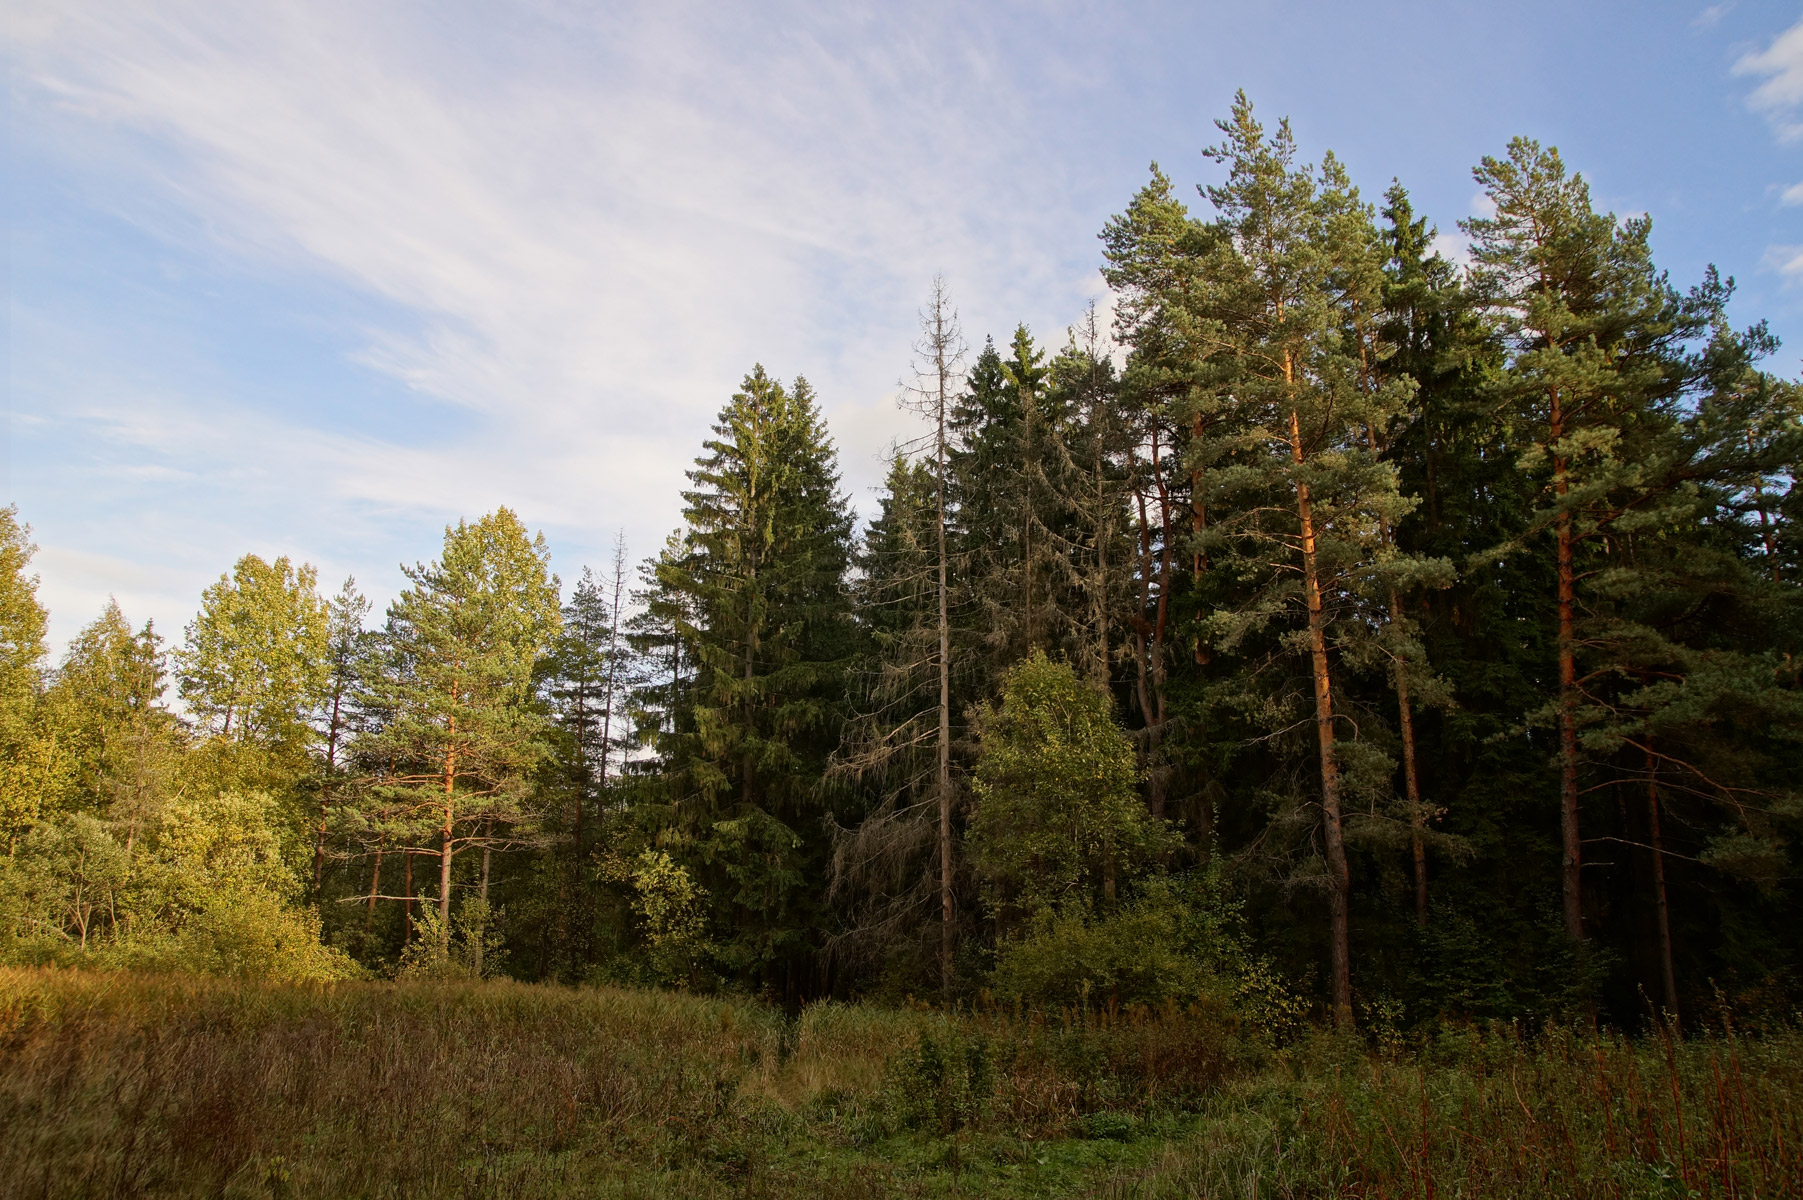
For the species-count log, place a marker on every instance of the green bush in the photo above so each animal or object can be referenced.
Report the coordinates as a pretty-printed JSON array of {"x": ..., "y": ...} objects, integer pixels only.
[
  {"x": 1180, "y": 940},
  {"x": 943, "y": 1084}
]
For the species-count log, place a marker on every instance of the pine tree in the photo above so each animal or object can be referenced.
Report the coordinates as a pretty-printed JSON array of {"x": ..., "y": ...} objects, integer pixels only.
[
  {"x": 1595, "y": 336},
  {"x": 459, "y": 726},
  {"x": 1288, "y": 468}
]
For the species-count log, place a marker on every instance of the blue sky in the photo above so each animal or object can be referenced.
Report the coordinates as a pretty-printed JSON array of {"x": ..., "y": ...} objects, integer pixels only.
[{"x": 316, "y": 278}]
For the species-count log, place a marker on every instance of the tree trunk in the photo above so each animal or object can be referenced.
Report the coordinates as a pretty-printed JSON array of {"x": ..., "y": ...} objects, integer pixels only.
[
  {"x": 1026, "y": 528},
  {"x": 1141, "y": 627},
  {"x": 481, "y": 938},
  {"x": 1571, "y": 864},
  {"x": 1410, "y": 778},
  {"x": 1156, "y": 776},
  {"x": 613, "y": 659},
  {"x": 1339, "y": 898},
  {"x": 407, "y": 899},
  {"x": 445, "y": 835},
  {"x": 375, "y": 883},
  {"x": 325, "y": 791},
  {"x": 1668, "y": 976},
  {"x": 947, "y": 910},
  {"x": 1198, "y": 521}
]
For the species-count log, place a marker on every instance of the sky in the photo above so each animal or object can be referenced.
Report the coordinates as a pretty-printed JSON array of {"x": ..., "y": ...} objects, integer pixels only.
[{"x": 316, "y": 278}]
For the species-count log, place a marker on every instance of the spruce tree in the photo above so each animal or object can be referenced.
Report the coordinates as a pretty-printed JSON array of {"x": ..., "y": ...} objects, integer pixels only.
[
  {"x": 121, "y": 742},
  {"x": 756, "y": 591}
]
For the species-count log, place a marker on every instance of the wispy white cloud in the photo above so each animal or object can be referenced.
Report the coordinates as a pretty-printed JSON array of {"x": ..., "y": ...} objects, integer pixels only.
[
  {"x": 1787, "y": 261},
  {"x": 1791, "y": 195},
  {"x": 1712, "y": 16},
  {"x": 1779, "y": 68},
  {"x": 590, "y": 252}
]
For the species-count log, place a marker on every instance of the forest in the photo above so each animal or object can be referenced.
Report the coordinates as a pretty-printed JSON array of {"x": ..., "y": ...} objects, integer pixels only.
[{"x": 1331, "y": 634}]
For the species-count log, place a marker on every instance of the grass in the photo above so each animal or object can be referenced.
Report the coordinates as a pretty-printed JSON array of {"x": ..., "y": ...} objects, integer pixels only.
[{"x": 143, "y": 1085}]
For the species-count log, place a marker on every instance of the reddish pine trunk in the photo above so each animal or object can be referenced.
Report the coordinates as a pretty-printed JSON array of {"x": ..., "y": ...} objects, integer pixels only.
[
  {"x": 1339, "y": 898},
  {"x": 445, "y": 835}
]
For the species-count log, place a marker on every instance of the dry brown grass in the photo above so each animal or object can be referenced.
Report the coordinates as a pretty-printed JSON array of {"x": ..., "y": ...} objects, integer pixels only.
[{"x": 122, "y": 1085}]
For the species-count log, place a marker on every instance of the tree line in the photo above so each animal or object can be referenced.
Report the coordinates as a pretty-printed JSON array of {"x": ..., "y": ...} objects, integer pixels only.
[{"x": 1341, "y": 627}]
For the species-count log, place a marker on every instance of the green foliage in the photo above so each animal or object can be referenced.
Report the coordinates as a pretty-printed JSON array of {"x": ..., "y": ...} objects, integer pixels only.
[
  {"x": 30, "y": 763},
  {"x": 1366, "y": 594},
  {"x": 755, "y": 595},
  {"x": 459, "y": 730},
  {"x": 942, "y": 1085},
  {"x": 1058, "y": 824},
  {"x": 1181, "y": 940},
  {"x": 255, "y": 662},
  {"x": 206, "y": 889}
]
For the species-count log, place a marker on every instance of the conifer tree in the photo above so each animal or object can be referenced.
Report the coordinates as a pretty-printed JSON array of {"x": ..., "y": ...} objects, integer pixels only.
[
  {"x": 890, "y": 872},
  {"x": 460, "y": 729},
  {"x": 756, "y": 591},
  {"x": 901, "y": 739},
  {"x": 1287, "y": 462},
  {"x": 1596, "y": 339},
  {"x": 579, "y": 673}
]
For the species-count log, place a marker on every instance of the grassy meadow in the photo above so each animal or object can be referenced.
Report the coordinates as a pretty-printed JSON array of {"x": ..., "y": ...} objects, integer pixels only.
[{"x": 163, "y": 1085}]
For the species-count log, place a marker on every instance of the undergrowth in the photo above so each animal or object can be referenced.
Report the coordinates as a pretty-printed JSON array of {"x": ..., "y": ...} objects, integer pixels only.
[{"x": 156, "y": 1085}]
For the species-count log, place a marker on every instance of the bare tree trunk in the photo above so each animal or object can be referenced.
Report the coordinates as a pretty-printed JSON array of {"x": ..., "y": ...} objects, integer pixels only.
[
  {"x": 407, "y": 899},
  {"x": 948, "y": 914},
  {"x": 325, "y": 793},
  {"x": 1339, "y": 898},
  {"x": 1026, "y": 528},
  {"x": 375, "y": 883},
  {"x": 613, "y": 653},
  {"x": 1668, "y": 975},
  {"x": 1411, "y": 783}
]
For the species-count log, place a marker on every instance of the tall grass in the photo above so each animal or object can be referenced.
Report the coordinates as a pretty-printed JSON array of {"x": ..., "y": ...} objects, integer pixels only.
[
  {"x": 122, "y": 1085},
  {"x": 1567, "y": 1114},
  {"x": 150, "y": 1085}
]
